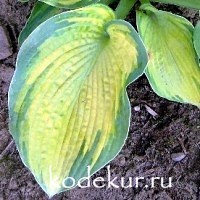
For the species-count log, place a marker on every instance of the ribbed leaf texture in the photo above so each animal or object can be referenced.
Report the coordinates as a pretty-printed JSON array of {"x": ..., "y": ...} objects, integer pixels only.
[{"x": 67, "y": 101}]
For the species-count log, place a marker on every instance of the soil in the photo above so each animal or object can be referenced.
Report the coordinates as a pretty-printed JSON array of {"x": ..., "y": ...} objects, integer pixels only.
[{"x": 150, "y": 150}]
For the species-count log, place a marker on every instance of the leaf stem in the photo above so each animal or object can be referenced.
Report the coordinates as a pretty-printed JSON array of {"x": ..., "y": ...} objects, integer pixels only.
[{"x": 123, "y": 8}]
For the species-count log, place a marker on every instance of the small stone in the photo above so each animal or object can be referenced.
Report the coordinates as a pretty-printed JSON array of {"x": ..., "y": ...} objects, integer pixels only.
[
  {"x": 151, "y": 111},
  {"x": 178, "y": 156},
  {"x": 5, "y": 49},
  {"x": 137, "y": 108}
]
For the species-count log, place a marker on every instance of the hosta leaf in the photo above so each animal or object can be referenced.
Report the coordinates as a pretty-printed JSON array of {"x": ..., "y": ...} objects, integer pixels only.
[
  {"x": 40, "y": 13},
  {"x": 70, "y": 4},
  {"x": 67, "y": 101},
  {"x": 197, "y": 38},
  {"x": 187, "y": 3},
  {"x": 173, "y": 68}
]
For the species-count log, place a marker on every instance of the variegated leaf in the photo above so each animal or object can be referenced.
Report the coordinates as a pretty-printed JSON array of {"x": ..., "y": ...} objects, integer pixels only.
[
  {"x": 173, "y": 69},
  {"x": 67, "y": 100}
]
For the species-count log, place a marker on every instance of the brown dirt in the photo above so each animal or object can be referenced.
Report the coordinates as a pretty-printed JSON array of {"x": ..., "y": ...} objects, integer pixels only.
[{"x": 147, "y": 151}]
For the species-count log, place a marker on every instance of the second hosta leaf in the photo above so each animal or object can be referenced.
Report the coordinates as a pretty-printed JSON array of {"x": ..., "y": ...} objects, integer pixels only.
[
  {"x": 69, "y": 4},
  {"x": 173, "y": 68},
  {"x": 40, "y": 13},
  {"x": 67, "y": 100}
]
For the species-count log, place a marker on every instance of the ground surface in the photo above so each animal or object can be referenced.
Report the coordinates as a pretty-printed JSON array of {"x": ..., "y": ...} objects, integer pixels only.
[{"x": 151, "y": 145}]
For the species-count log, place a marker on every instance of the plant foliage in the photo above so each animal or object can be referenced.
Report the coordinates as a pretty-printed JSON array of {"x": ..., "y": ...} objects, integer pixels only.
[
  {"x": 168, "y": 38},
  {"x": 65, "y": 105},
  {"x": 68, "y": 106}
]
